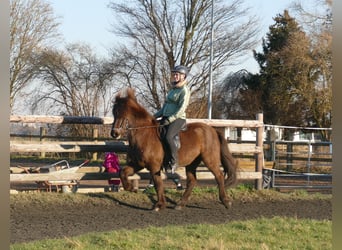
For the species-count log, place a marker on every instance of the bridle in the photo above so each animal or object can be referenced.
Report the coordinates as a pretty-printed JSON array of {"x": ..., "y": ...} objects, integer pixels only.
[
  {"x": 124, "y": 127},
  {"x": 124, "y": 124}
]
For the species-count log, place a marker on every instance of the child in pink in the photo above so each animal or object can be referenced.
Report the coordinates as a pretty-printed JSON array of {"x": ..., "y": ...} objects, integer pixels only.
[{"x": 112, "y": 165}]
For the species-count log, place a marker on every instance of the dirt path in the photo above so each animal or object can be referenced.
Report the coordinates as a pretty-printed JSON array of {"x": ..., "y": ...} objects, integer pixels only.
[{"x": 38, "y": 220}]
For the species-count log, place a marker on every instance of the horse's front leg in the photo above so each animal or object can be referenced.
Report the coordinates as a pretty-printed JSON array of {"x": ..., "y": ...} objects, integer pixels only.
[
  {"x": 124, "y": 174},
  {"x": 159, "y": 187},
  {"x": 191, "y": 181}
]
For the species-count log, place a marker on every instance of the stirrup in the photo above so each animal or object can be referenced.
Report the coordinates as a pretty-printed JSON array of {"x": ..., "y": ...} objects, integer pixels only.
[
  {"x": 167, "y": 168},
  {"x": 170, "y": 168},
  {"x": 173, "y": 168}
]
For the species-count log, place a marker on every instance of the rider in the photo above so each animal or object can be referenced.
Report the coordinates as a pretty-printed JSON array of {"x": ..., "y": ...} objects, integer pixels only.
[{"x": 172, "y": 115}]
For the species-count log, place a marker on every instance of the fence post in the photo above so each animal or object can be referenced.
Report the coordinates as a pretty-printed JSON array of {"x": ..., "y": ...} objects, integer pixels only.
[
  {"x": 42, "y": 138},
  {"x": 95, "y": 136},
  {"x": 273, "y": 139},
  {"x": 259, "y": 160},
  {"x": 289, "y": 155}
]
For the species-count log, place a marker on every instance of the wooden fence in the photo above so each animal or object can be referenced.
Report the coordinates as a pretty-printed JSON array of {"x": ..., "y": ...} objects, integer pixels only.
[{"x": 121, "y": 147}]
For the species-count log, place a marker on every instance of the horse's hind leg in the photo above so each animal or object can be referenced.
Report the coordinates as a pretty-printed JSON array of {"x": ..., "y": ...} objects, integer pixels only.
[
  {"x": 219, "y": 177},
  {"x": 191, "y": 181}
]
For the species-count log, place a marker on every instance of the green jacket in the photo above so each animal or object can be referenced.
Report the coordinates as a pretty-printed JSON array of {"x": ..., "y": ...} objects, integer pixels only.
[{"x": 176, "y": 102}]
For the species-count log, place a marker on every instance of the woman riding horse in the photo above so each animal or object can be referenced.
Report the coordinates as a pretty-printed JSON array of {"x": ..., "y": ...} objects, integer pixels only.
[
  {"x": 172, "y": 115},
  {"x": 199, "y": 143}
]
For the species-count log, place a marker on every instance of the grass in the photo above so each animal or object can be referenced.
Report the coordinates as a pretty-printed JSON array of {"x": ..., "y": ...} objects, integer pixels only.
[{"x": 263, "y": 233}]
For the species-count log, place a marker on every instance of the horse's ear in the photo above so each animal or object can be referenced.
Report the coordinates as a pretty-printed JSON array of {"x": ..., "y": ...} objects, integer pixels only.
[
  {"x": 131, "y": 94},
  {"x": 122, "y": 93},
  {"x": 125, "y": 93},
  {"x": 117, "y": 96}
]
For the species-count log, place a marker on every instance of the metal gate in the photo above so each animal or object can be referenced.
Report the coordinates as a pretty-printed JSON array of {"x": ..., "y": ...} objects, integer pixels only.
[{"x": 300, "y": 165}]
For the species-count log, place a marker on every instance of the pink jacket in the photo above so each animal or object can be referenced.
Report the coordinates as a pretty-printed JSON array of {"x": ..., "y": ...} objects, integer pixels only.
[{"x": 112, "y": 165}]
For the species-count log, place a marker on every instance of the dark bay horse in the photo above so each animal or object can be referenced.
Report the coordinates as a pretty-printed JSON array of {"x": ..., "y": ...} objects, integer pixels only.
[{"x": 199, "y": 142}]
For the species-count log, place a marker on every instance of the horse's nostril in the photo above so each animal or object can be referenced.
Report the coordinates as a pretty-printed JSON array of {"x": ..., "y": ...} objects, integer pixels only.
[{"x": 113, "y": 134}]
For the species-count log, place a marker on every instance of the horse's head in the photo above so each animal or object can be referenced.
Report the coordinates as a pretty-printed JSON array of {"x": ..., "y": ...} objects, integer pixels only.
[{"x": 121, "y": 113}]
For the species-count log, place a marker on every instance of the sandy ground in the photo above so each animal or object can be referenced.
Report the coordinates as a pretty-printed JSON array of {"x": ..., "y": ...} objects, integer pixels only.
[{"x": 40, "y": 220}]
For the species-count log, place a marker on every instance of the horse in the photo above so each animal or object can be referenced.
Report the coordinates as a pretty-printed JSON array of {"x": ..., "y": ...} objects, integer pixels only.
[{"x": 198, "y": 143}]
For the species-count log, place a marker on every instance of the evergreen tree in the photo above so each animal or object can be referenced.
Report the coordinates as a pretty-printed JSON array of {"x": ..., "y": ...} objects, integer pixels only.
[
  {"x": 286, "y": 81},
  {"x": 293, "y": 86}
]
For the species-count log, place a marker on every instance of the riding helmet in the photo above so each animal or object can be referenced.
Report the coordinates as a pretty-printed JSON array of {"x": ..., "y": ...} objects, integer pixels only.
[{"x": 181, "y": 69}]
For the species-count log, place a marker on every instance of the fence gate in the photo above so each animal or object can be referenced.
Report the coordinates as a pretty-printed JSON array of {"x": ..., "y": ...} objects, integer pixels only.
[{"x": 300, "y": 165}]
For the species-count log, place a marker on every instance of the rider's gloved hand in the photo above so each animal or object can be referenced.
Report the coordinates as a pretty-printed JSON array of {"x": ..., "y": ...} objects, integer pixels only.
[{"x": 164, "y": 121}]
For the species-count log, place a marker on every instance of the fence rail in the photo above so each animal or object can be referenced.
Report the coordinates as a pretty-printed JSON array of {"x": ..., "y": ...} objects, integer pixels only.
[
  {"x": 102, "y": 146},
  {"x": 119, "y": 146},
  {"x": 109, "y": 120}
]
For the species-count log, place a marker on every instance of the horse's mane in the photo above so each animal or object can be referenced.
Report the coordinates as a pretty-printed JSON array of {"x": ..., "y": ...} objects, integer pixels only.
[{"x": 132, "y": 102}]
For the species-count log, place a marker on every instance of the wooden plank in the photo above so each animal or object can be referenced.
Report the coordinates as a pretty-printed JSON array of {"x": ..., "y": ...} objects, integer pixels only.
[
  {"x": 243, "y": 165},
  {"x": 242, "y": 175},
  {"x": 245, "y": 148},
  {"x": 109, "y": 120},
  {"x": 71, "y": 143},
  {"x": 91, "y": 169},
  {"x": 85, "y": 169},
  {"x": 60, "y": 119},
  {"x": 60, "y": 176},
  {"x": 102, "y": 146},
  {"x": 99, "y": 146},
  {"x": 249, "y": 175},
  {"x": 228, "y": 123}
]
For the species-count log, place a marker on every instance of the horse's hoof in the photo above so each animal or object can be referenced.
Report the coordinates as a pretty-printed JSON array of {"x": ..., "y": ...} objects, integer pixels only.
[
  {"x": 179, "y": 207},
  {"x": 228, "y": 204},
  {"x": 159, "y": 208}
]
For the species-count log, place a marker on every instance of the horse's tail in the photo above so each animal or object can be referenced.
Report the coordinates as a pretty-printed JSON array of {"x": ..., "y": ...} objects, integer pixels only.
[{"x": 230, "y": 165}]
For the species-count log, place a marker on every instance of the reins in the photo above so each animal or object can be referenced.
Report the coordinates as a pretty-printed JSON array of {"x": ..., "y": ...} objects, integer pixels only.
[
  {"x": 154, "y": 126},
  {"x": 136, "y": 128},
  {"x": 159, "y": 127}
]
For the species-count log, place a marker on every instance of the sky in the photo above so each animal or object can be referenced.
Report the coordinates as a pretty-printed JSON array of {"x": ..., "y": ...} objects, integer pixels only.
[{"x": 90, "y": 21}]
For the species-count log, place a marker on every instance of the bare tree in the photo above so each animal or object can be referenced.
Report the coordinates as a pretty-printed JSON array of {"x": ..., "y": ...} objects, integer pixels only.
[
  {"x": 32, "y": 26},
  {"x": 316, "y": 16},
  {"x": 164, "y": 33},
  {"x": 75, "y": 81},
  {"x": 235, "y": 99}
]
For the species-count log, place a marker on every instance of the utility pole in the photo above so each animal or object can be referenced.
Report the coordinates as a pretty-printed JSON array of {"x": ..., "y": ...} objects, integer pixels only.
[{"x": 211, "y": 61}]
